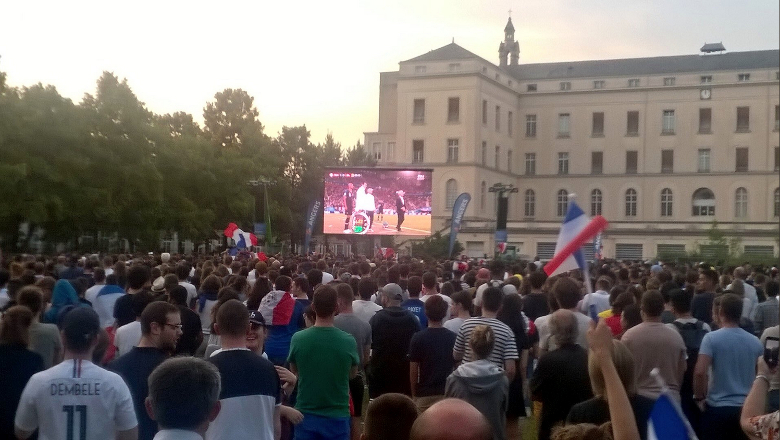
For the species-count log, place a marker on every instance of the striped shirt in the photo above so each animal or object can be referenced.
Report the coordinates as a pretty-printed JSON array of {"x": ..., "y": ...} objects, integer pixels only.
[{"x": 505, "y": 347}]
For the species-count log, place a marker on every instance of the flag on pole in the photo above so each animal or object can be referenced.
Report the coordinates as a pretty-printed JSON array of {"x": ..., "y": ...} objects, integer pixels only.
[
  {"x": 243, "y": 239},
  {"x": 576, "y": 230},
  {"x": 666, "y": 422}
]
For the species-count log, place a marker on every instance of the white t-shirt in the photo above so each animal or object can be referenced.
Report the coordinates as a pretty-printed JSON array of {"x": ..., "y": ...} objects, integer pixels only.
[
  {"x": 326, "y": 277},
  {"x": 481, "y": 291},
  {"x": 92, "y": 292},
  {"x": 104, "y": 306},
  {"x": 600, "y": 298},
  {"x": 192, "y": 292},
  {"x": 79, "y": 396},
  {"x": 543, "y": 328},
  {"x": 454, "y": 324},
  {"x": 127, "y": 337},
  {"x": 365, "y": 309}
]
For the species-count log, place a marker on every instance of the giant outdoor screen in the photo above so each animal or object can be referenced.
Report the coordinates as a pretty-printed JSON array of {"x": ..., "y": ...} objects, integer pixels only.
[{"x": 377, "y": 201}]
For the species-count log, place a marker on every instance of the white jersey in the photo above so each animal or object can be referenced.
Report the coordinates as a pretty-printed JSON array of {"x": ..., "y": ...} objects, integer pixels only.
[
  {"x": 76, "y": 400},
  {"x": 192, "y": 292}
]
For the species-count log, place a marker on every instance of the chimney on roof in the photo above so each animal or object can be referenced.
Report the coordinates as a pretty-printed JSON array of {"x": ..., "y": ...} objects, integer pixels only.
[{"x": 712, "y": 48}]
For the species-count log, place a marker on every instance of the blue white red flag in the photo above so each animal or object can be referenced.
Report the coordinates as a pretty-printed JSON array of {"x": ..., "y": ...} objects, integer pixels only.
[{"x": 576, "y": 230}]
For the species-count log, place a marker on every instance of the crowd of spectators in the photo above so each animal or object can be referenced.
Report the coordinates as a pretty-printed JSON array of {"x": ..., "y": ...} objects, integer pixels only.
[{"x": 160, "y": 346}]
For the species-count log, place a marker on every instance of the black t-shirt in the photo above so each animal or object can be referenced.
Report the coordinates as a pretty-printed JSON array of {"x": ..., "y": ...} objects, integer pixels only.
[
  {"x": 432, "y": 348},
  {"x": 135, "y": 368},
  {"x": 596, "y": 411},
  {"x": 17, "y": 365},
  {"x": 191, "y": 327},
  {"x": 560, "y": 381},
  {"x": 701, "y": 306},
  {"x": 392, "y": 329},
  {"x": 535, "y": 305},
  {"x": 349, "y": 197}
]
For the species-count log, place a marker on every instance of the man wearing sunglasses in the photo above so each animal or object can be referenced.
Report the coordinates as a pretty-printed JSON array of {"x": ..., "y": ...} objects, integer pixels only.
[{"x": 160, "y": 330}]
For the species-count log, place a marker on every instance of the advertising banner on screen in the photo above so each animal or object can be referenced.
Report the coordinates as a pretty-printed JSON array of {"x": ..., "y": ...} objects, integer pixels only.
[{"x": 377, "y": 201}]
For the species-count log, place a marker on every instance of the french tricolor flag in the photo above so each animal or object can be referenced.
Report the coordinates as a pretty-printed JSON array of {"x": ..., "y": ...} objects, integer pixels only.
[
  {"x": 243, "y": 239},
  {"x": 577, "y": 229}
]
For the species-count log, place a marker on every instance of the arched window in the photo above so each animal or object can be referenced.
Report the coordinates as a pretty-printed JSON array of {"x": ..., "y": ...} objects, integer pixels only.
[
  {"x": 703, "y": 202},
  {"x": 530, "y": 203},
  {"x": 777, "y": 202},
  {"x": 452, "y": 193},
  {"x": 740, "y": 203},
  {"x": 482, "y": 195},
  {"x": 666, "y": 202},
  {"x": 595, "y": 202},
  {"x": 631, "y": 202},
  {"x": 563, "y": 202}
]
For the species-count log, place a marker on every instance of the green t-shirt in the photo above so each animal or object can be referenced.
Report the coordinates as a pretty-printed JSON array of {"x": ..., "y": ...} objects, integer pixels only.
[{"x": 324, "y": 357}]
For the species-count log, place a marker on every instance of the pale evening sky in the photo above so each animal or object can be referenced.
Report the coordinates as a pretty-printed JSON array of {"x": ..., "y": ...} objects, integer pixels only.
[{"x": 317, "y": 63}]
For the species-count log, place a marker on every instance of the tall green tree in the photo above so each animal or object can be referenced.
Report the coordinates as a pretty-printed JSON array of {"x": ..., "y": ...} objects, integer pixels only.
[
  {"x": 229, "y": 117},
  {"x": 357, "y": 156}
]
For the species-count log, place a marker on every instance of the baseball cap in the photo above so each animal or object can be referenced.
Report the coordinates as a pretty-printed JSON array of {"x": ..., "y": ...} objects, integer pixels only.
[
  {"x": 80, "y": 323},
  {"x": 393, "y": 291},
  {"x": 483, "y": 274},
  {"x": 256, "y": 317}
]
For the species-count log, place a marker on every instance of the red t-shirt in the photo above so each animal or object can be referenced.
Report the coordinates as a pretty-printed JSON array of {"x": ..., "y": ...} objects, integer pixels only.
[{"x": 614, "y": 324}]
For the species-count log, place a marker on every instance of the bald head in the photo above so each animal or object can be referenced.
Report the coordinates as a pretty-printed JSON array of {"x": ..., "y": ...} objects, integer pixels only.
[{"x": 451, "y": 419}]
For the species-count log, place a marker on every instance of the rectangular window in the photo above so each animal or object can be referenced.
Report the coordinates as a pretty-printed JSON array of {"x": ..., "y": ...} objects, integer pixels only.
[
  {"x": 453, "y": 110},
  {"x": 509, "y": 124},
  {"x": 530, "y": 164},
  {"x": 777, "y": 117},
  {"x": 669, "y": 81},
  {"x": 598, "y": 124},
  {"x": 563, "y": 163},
  {"x": 565, "y": 85},
  {"x": 454, "y": 67},
  {"x": 777, "y": 158},
  {"x": 743, "y": 119},
  {"x": 530, "y": 88},
  {"x": 743, "y": 77},
  {"x": 484, "y": 111},
  {"x": 667, "y": 161},
  {"x": 419, "y": 111},
  {"x": 632, "y": 158},
  {"x": 498, "y": 118},
  {"x": 563, "y": 125},
  {"x": 705, "y": 120},
  {"x": 418, "y": 151},
  {"x": 452, "y": 150},
  {"x": 741, "y": 160},
  {"x": 509, "y": 160},
  {"x": 706, "y": 79},
  {"x": 497, "y": 157},
  {"x": 530, "y": 126},
  {"x": 376, "y": 148},
  {"x": 596, "y": 162},
  {"x": 390, "y": 151},
  {"x": 484, "y": 153},
  {"x": 419, "y": 69},
  {"x": 632, "y": 123},
  {"x": 667, "y": 126},
  {"x": 598, "y": 84},
  {"x": 704, "y": 160},
  {"x": 633, "y": 82}
]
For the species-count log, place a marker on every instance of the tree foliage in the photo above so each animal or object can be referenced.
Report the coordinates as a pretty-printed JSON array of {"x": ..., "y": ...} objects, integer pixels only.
[{"x": 109, "y": 167}]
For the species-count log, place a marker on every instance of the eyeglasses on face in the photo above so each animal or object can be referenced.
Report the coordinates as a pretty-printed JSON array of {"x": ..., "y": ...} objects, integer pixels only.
[{"x": 173, "y": 326}]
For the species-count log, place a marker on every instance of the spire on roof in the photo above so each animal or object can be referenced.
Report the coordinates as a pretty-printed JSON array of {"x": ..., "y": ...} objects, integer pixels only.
[{"x": 509, "y": 27}]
